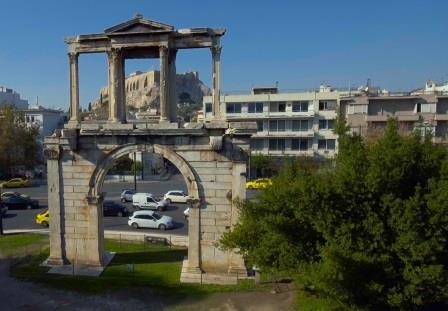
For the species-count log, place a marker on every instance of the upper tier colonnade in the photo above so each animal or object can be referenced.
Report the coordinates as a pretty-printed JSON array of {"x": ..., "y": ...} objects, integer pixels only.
[{"x": 140, "y": 38}]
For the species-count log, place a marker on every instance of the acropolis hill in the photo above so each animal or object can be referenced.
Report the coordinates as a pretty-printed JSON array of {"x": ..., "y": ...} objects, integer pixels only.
[{"x": 143, "y": 90}]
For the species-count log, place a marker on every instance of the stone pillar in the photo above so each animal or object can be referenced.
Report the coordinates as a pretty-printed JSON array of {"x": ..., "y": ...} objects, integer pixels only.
[
  {"x": 172, "y": 85},
  {"x": 123, "y": 105},
  {"x": 164, "y": 114},
  {"x": 194, "y": 246},
  {"x": 115, "y": 92},
  {"x": 236, "y": 261},
  {"x": 95, "y": 237},
  {"x": 74, "y": 90},
  {"x": 216, "y": 78},
  {"x": 55, "y": 206}
]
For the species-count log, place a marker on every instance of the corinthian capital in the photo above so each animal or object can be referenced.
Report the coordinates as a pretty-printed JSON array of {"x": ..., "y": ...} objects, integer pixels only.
[
  {"x": 114, "y": 54},
  {"x": 216, "y": 50},
  {"x": 73, "y": 57},
  {"x": 52, "y": 153}
]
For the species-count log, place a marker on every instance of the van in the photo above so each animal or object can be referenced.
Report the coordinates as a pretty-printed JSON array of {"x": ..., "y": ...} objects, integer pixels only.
[{"x": 148, "y": 201}]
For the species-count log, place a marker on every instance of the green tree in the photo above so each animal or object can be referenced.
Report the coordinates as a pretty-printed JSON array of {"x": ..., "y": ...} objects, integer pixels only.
[
  {"x": 371, "y": 232},
  {"x": 19, "y": 144},
  {"x": 262, "y": 164}
]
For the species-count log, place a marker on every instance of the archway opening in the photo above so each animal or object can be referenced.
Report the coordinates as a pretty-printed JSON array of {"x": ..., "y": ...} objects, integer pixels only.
[{"x": 144, "y": 189}]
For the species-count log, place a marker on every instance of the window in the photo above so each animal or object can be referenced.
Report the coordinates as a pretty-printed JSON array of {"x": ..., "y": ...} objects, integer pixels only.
[
  {"x": 327, "y": 144},
  {"x": 257, "y": 144},
  {"x": 233, "y": 107},
  {"x": 277, "y": 107},
  {"x": 418, "y": 107},
  {"x": 327, "y": 105},
  {"x": 277, "y": 125},
  {"x": 208, "y": 108},
  {"x": 260, "y": 126},
  {"x": 255, "y": 107},
  {"x": 326, "y": 124},
  {"x": 281, "y": 107},
  {"x": 300, "y": 106},
  {"x": 299, "y": 144},
  {"x": 300, "y": 125},
  {"x": 277, "y": 144}
]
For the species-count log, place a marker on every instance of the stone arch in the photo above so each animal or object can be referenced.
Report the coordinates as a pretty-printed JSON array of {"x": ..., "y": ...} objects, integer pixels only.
[{"x": 98, "y": 175}]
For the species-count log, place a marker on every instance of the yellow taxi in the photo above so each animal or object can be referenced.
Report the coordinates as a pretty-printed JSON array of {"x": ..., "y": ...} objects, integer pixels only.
[
  {"x": 43, "y": 219},
  {"x": 260, "y": 183},
  {"x": 16, "y": 183}
]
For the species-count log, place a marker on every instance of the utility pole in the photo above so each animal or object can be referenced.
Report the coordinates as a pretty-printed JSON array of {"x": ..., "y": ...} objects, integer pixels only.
[
  {"x": 135, "y": 173},
  {"x": 1, "y": 212}
]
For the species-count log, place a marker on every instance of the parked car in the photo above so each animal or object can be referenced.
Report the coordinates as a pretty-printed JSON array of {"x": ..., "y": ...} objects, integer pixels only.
[
  {"x": 16, "y": 183},
  {"x": 126, "y": 195},
  {"x": 11, "y": 193},
  {"x": 260, "y": 183},
  {"x": 150, "y": 219},
  {"x": 187, "y": 212},
  {"x": 43, "y": 218},
  {"x": 18, "y": 201},
  {"x": 175, "y": 196},
  {"x": 111, "y": 208},
  {"x": 148, "y": 201}
]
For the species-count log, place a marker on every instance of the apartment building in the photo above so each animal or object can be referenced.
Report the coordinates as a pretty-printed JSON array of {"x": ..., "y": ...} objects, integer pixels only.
[
  {"x": 367, "y": 114},
  {"x": 289, "y": 124},
  {"x": 10, "y": 97}
]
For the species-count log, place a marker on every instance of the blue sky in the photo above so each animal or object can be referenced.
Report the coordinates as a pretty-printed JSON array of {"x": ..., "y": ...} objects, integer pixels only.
[{"x": 397, "y": 44}]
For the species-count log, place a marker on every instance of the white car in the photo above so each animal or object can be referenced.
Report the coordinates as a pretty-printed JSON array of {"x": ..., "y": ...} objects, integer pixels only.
[
  {"x": 148, "y": 201},
  {"x": 175, "y": 196},
  {"x": 187, "y": 212},
  {"x": 150, "y": 219}
]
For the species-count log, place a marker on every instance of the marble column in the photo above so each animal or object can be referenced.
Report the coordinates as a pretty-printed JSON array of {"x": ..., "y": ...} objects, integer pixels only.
[
  {"x": 164, "y": 113},
  {"x": 74, "y": 90},
  {"x": 172, "y": 85},
  {"x": 115, "y": 93},
  {"x": 122, "y": 86},
  {"x": 55, "y": 206},
  {"x": 194, "y": 231},
  {"x": 216, "y": 78}
]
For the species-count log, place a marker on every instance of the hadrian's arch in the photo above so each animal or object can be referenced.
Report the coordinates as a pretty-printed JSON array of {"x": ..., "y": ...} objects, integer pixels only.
[{"x": 211, "y": 156}]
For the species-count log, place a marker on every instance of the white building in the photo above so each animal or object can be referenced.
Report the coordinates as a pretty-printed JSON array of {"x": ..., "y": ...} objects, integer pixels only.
[
  {"x": 10, "y": 97},
  {"x": 47, "y": 119},
  {"x": 289, "y": 124},
  {"x": 432, "y": 87}
]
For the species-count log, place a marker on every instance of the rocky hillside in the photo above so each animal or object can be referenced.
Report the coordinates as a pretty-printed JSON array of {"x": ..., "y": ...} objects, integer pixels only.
[{"x": 143, "y": 91}]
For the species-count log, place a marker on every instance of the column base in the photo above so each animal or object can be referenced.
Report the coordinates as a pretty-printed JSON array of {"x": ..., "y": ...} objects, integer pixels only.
[
  {"x": 239, "y": 271},
  {"x": 55, "y": 261},
  {"x": 73, "y": 124}
]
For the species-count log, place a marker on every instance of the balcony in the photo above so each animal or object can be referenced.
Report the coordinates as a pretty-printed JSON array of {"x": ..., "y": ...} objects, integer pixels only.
[
  {"x": 400, "y": 117},
  {"x": 263, "y": 134}
]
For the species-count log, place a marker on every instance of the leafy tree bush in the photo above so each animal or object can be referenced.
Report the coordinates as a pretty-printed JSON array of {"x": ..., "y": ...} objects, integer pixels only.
[
  {"x": 19, "y": 147},
  {"x": 371, "y": 232}
]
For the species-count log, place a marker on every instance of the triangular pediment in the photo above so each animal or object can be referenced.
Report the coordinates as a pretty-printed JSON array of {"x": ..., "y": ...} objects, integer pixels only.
[{"x": 139, "y": 24}]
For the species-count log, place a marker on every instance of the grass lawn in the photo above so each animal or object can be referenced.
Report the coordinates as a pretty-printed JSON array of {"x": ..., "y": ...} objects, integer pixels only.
[
  {"x": 137, "y": 266},
  {"x": 21, "y": 243},
  {"x": 134, "y": 266}
]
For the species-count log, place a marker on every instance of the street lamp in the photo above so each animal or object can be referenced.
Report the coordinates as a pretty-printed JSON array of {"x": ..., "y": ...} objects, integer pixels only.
[{"x": 1, "y": 211}]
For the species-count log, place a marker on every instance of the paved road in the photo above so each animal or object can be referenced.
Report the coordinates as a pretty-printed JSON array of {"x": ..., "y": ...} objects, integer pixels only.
[{"x": 24, "y": 219}]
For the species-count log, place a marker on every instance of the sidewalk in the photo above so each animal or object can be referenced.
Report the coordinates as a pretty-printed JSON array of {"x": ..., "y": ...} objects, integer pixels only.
[{"x": 172, "y": 239}]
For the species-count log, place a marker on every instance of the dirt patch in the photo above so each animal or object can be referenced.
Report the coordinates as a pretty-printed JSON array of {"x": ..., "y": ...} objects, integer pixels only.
[{"x": 21, "y": 295}]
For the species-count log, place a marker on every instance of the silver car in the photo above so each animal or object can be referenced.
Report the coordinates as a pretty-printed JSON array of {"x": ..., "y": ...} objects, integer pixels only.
[
  {"x": 150, "y": 219},
  {"x": 126, "y": 195}
]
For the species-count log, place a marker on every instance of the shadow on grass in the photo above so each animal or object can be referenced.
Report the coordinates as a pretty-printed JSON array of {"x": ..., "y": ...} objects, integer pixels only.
[{"x": 174, "y": 255}]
